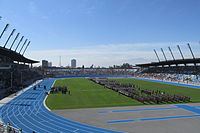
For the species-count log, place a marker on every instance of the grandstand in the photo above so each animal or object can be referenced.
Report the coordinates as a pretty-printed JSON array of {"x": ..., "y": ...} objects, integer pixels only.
[
  {"x": 186, "y": 70},
  {"x": 179, "y": 66},
  {"x": 58, "y": 71},
  {"x": 16, "y": 71}
]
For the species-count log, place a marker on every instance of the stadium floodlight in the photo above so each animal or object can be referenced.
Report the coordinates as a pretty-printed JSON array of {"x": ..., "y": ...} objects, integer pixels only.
[
  {"x": 171, "y": 53},
  {"x": 157, "y": 55},
  {"x": 164, "y": 54},
  {"x": 191, "y": 50},
  {"x": 180, "y": 52},
  {"x": 26, "y": 47},
  {"x": 23, "y": 45},
  {"x": 9, "y": 37},
  {"x": 14, "y": 40},
  {"x": 19, "y": 43},
  {"x": 4, "y": 30}
]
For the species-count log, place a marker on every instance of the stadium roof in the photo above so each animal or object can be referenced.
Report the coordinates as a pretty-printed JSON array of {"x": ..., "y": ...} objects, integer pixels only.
[
  {"x": 15, "y": 56},
  {"x": 171, "y": 62}
]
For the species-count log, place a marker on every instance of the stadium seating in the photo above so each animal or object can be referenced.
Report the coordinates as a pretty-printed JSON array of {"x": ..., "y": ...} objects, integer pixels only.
[
  {"x": 173, "y": 69},
  {"x": 180, "y": 78},
  {"x": 20, "y": 79}
]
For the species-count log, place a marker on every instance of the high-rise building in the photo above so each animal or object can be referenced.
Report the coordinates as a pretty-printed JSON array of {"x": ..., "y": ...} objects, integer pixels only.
[
  {"x": 44, "y": 63},
  {"x": 49, "y": 64},
  {"x": 73, "y": 63}
]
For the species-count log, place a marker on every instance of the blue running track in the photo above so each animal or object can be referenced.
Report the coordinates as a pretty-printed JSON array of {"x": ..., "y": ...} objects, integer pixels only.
[{"x": 27, "y": 112}]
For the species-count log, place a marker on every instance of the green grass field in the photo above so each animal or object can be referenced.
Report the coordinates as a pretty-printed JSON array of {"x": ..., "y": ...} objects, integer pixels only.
[{"x": 86, "y": 94}]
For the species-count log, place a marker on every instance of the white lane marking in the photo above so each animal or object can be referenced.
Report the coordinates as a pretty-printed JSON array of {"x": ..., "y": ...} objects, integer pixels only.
[{"x": 75, "y": 130}]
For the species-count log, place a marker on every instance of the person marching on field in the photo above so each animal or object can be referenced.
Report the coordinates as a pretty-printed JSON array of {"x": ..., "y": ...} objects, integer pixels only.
[{"x": 45, "y": 87}]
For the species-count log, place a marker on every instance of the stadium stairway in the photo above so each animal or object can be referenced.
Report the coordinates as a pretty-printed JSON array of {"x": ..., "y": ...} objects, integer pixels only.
[{"x": 28, "y": 112}]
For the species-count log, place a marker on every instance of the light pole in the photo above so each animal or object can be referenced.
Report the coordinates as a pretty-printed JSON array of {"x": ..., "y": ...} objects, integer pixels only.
[
  {"x": 11, "y": 80},
  {"x": 21, "y": 77}
]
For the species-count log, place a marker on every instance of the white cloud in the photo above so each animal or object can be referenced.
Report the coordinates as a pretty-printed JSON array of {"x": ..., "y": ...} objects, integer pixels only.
[{"x": 107, "y": 55}]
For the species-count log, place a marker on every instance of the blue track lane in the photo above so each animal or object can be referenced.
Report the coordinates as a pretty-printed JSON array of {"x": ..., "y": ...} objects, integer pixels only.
[
  {"x": 27, "y": 112},
  {"x": 193, "y": 109}
]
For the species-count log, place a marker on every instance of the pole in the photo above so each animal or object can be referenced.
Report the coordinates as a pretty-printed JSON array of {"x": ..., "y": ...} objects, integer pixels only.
[
  {"x": 14, "y": 40},
  {"x": 19, "y": 43},
  {"x": 4, "y": 30},
  {"x": 21, "y": 77},
  {"x": 192, "y": 54},
  {"x": 164, "y": 54},
  {"x": 157, "y": 55},
  {"x": 191, "y": 51},
  {"x": 11, "y": 80},
  {"x": 23, "y": 45},
  {"x": 171, "y": 53},
  {"x": 9, "y": 37},
  {"x": 180, "y": 52},
  {"x": 26, "y": 47},
  {"x": 60, "y": 61}
]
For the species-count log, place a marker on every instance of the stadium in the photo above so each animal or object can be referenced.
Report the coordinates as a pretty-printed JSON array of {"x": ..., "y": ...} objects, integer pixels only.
[{"x": 161, "y": 96}]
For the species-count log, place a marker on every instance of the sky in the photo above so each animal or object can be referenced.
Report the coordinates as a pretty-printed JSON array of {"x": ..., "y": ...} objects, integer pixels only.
[{"x": 103, "y": 32}]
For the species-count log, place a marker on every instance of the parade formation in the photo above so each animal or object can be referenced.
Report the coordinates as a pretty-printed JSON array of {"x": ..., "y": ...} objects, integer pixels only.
[{"x": 140, "y": 94}]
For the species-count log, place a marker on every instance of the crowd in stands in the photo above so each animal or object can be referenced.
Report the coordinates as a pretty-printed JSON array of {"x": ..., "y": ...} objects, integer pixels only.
[
  {"x": 92, "y": 71},
  {"x": 12, "y": 80},
  {"x": 180, "y": 74},
  {"x": 139, "y": 94},
  {"x": 179, "y": 78},
  {"x": 173, "y": 70}
]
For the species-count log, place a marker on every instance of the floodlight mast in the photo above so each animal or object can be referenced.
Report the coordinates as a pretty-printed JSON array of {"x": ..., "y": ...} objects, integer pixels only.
[
  {"x": 23, "y": 45},
  {"x": 14, "y": 40},
  {"x": 9, "y": 37},
  {"x": 164, "y": 54},
  {"x": 5, "y": 28},
  {"x": 26, "y": 47},
  {"x": 19, "y": 43},
  {"x": 157, "y": 55},
  {"x": 171, "y": 53}
]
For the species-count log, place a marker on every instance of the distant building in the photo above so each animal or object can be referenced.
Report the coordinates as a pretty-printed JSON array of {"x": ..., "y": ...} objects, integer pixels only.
[
  {"x": 49, "y": 64},
  {"x": 73, "y": 63},
  {"x": 44, "y": 63}
]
